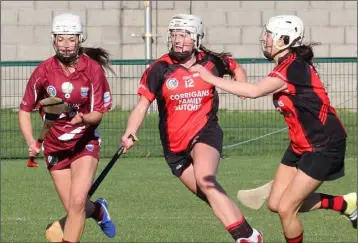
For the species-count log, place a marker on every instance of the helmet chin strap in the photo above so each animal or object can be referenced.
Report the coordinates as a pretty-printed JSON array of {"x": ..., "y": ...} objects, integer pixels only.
[
  {"x": 271, "y": 57},
  {"x": 181, "y": 56},
  {"x": 67, "y": 59}
]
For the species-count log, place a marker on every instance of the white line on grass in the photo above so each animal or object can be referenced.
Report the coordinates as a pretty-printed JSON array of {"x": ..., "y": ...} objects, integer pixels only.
[
  {"x": 271, "y": 133},
  {"x": 253, "y": 139}
]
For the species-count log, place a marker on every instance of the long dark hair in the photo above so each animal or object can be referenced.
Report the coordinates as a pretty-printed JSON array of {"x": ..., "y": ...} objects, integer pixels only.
[
  {"x": 100, "y": 55},
  {"x": 306, "y": 51},
  {"x": 223, "y": 56}
]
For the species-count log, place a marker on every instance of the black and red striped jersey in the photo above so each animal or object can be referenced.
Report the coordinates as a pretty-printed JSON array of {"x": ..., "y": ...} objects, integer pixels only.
[
  {"x": 185, "y": 103},
  {"x": 313, "y": 123}
]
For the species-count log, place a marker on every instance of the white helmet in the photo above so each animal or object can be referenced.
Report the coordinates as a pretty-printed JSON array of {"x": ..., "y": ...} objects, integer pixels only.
[
  {"x": 286, "y": 25},
  {"x": 67, "y": 23},
  {"x": 191, "y": 23}
]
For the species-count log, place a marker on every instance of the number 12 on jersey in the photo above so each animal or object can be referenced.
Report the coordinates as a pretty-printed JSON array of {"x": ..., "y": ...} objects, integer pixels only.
[{"x": 189, "y": 83}]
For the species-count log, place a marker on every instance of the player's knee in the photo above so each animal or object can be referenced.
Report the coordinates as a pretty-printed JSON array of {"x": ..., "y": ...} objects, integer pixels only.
[
  {"x": 77, "y": 204},
  {"x": 285, "y": 210},
  {"x": 205, "y": 183},
  {"x": 272, "y": 205}
]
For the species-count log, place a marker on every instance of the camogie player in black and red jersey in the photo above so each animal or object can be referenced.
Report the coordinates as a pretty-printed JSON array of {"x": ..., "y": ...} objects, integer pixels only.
[
  {"x": 191, "y": 138},
  {"x": 318, "y": 139}
]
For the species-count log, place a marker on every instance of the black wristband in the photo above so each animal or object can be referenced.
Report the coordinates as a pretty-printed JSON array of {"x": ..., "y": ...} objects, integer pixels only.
[{"x": 51, "y": 117}]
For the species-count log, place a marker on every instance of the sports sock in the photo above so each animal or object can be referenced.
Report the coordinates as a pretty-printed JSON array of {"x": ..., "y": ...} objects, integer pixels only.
[
  {"x": 240, "y": 229},
  {"x": 298, "y": 239},
  {"x": 335, "y": 203},
  {"x": 65, "y": 241},
  {"x": 98, "y": 212}
]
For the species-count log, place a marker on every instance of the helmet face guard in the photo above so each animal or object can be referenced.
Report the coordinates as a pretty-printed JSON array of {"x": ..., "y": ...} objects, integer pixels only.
[
  {"x": 264, "y": 37},
  {"x": 66, "y": 47},
  {"x": 181, "y": 45},
  {"x": 184, "y": 27}
]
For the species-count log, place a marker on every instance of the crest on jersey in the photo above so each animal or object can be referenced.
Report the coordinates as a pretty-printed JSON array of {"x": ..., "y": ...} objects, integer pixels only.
[
  {"x": 84, "y": 91},
  {"x": 90, "y": 147},
  {"x": 106, "y": 97},
  {"x": 52, "y": 160},
  {"x": 67, "y": 88},
  {"x": 172, "y": 83},
  {"x": 51, "y": 90}
]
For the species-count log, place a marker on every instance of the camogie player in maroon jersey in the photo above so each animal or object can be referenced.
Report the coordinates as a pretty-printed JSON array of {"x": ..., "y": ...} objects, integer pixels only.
[
  {"x": 72, "y": 145},
  {"x": 318, "y": 139},
  {"x": 191, "y": 138}
]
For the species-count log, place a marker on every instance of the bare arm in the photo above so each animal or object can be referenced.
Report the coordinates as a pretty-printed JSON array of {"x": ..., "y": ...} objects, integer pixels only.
[
  {"x": 92, "y": 118},
  {"x": 240, "y": 74},
  {"x": 149, "y": 84},
  {"x": 251, "y": 90},
  {"x": 26, "y": 126},
  {"x": 137, "y": 116},
  {"x": 135, "y": 120}
]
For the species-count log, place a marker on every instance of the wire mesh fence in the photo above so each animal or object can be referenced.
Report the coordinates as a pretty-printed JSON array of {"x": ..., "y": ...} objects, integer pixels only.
[{"x": 251, "y": 126}]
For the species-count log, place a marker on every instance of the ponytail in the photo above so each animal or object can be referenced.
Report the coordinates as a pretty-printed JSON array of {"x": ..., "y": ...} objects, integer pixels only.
[
  {"x": 305, "y": 52},
  {"x": 99, "y": 55},
  {"x": 223, "y": 56}
]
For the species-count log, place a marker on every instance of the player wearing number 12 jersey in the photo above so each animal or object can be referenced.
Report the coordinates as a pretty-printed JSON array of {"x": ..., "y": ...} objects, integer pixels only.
[
  {"x": 191, "y": 137},
  {"x": 72, "y": 145}
]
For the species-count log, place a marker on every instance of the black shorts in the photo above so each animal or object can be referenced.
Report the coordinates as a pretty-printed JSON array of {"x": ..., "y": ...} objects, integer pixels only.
[
  {"x": 326, "y": 164},
  {"x": 210, "y": 134}
]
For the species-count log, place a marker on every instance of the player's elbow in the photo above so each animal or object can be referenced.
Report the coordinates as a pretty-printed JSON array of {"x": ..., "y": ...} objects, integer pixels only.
[
  {"x": 142, "y": 109},
  {"x": 93, "y": 118},
  {"x": 240, "y": 74},
  {"x": 254, "y": 92},
  {"x": 251, "y": 95},
  {"x": 98, "y": 117},
  {"x": 138, "y": 113},
  {"x": 143, "y": 105}
]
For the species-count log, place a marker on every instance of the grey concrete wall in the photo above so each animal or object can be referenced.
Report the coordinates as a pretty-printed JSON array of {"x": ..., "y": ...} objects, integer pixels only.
[
  {"x": 229, "y": 25},
  {"x": 232, "y": 26}
]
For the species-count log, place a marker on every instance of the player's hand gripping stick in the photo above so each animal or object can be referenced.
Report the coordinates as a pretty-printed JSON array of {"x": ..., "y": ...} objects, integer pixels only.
[{"x": 53, "y": 108}]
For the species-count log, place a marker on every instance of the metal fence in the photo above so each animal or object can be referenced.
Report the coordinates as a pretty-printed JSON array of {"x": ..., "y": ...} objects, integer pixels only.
[{"x": 251, "y": 126}]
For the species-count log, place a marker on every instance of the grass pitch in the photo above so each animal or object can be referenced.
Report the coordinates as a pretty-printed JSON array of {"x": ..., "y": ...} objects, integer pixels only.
[{"x": 148, "y": 204}]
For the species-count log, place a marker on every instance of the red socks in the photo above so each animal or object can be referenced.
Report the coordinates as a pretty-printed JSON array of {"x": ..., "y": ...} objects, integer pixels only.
[
  {"x": 240, "y": 229},
  {"x": 335, "y": 203},
  {"x": 298, "y": 239}
]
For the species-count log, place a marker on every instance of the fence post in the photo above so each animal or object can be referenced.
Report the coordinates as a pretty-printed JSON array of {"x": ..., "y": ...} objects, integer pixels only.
[{"x": 148, "y": 36}]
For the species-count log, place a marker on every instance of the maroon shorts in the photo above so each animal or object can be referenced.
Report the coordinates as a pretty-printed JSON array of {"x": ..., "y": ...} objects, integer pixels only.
[{"x": 63, "y": 159}]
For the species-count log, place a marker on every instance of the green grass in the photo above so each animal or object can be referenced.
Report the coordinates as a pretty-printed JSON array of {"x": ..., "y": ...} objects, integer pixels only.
[
  {"x": 151, "y": 205},
  {"x": 237, "y": 126}
]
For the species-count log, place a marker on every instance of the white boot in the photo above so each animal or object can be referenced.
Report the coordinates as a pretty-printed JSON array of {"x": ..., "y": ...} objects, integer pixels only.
[{"x": 256, "y": 237}]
